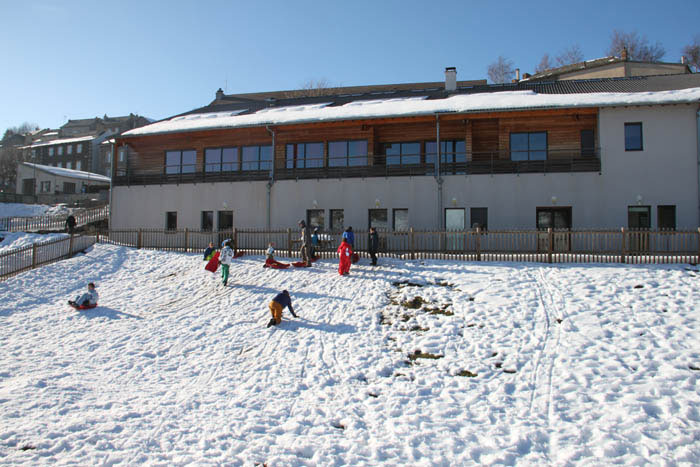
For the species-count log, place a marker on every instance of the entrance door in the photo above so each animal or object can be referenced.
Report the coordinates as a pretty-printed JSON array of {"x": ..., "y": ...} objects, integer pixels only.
[
  {"x": 455, "y": 221},
  {"x": 28, "y": 186},
  {"x": 559, "y": 220},
  {"x": 638, "y": 222}
]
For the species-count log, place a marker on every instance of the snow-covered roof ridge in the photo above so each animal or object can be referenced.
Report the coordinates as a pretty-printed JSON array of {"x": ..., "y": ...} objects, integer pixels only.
[
  {"x": 59, "y": 171},
  {"x": 63, "y": 141},
  {"x": 401, "y": 107}
]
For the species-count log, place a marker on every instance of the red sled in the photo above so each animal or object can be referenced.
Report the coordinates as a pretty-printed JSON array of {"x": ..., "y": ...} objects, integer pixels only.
[
  {"x": 299, "y": 264},
  {"x": 83, "y": 307},
  {"x": 239, "y": 254},
  {"x": 274, "y": 264},
  {"x": 213, "y": 263},
  {"x": 355, "y": 258}
]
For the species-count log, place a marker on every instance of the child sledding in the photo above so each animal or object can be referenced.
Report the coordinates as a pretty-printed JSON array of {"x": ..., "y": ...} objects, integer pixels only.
[
  {"x": 270, "y": 261},
  {"x": 87, "y": 300}
]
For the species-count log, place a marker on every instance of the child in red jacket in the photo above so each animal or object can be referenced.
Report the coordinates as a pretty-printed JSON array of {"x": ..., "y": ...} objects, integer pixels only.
[{"x": 345, "y": 251}]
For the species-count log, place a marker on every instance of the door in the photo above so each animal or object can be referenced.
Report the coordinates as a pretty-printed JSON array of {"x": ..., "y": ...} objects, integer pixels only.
[
  {"x": 639, "y": 223},
  {"x": 28, "y": 186},
  {"x": 559, "y": 220}
]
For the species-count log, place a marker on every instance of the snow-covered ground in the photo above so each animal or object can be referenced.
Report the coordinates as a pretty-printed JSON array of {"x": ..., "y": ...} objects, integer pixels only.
[
  {"x": 32, "y": 210},
  {"x": 517, "y": 364},
  {"x": 13, "y": 240}
]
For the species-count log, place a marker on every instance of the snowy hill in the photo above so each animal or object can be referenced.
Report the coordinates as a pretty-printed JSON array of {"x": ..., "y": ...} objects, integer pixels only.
[{"x": 419, "y": 363}]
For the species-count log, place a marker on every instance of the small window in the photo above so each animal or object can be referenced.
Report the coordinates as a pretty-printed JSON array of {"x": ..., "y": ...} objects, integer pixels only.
[
  {"x": 207, "y": 220},
  {"x": 587, "y": 143},
  {"x": 633, "y": 137},
  {"x": 639, "y": 217},
  {"x": 378, "y": 219},
  {"x": 45, "y": 187},
  {"x": 479, "y": 218},
  {"x": 79, "y": 148},
  {"x": 78, "y": 165},
  {"x": 666, "y": 218},
  {"x": 337, "y": 220},
  {"x": 69, "y": 149},
  {"x": 122, "y": 154},
  {"x": 60, "y": 150},
  {"x": 68, "y": 187},
  {"x": 33, "y": 153},
  {"x": 171, "y": 220},
  {"x": 454, "y": 219},
  {"x": 315, "y": 218},
  {"x": 51, "y": 151},
  {"x": 528, "y": 146},
  {"x": 225, "y": 220},
  {"x": 553, "y": 218},
  {"x": 69, "y": 165},
  {"x": 400, "y": 220}
]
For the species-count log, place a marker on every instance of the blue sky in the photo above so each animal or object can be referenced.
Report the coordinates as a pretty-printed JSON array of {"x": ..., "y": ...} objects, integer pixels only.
[{"x": 80, "y": 59}]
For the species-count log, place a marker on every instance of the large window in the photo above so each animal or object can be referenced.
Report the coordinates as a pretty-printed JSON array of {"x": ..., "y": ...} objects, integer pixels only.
[
  {"x": 315, "y": 218},
  {"x": 208, "y": 220},
  {"x": 479, "y": 218},
  {"x": 400, "y": 219},
  {"x": 450, "y": 152},
  {"x": 633, "y": 137},
  {"x": 587, "y": 143},
  {"x": 68, "y": 187},
  {"x": 454, "y": 219},
  {"x": 171, "y": 220},
  {"x": 337, "y": 220},
  {"x": 256, "y": 157},
  {"x": 180, "y": 161},
  {"x": 402, "y": 153},
  {"x": 378, "y": 219},
  {"x": 553, "y": 218},
  {"x": 45, "y": 187},
  {"x": 347, "y": 153},
  {"x": 304, "y": 155},
  {"x": 225, "y": 220},
  {"x": 528, "y": 146},
  {"x": 639, "y": 217},
  {"x": 221, "y": 160},
  {"x": 666, "y": 217}
]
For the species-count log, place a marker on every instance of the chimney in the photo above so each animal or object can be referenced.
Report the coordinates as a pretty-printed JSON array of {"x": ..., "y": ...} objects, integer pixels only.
[
  {"x": 450, "y": 78},
  {"x": 517, "y": 74},
  {"x": 624, "y": 54},
  {"x": 219, "y": 94},
  {"x": 684, "y": 61}
]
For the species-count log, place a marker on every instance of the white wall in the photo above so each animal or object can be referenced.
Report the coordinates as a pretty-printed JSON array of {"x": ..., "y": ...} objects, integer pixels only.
[{"x": 664, "y": 173}]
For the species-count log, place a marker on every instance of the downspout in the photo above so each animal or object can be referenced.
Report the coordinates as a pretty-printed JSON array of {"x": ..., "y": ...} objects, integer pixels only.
[
  {"x": 271, "y": 180},
  {"x": 438, "y": 174},
  {"x": 697, "y": 121},
  {"x": 111, "y": 187}
]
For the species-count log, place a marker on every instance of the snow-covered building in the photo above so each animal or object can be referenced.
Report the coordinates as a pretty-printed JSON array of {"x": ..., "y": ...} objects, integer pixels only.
[
  {"x": 54, "y": 184},
  {"x": 603, "y": 153}
]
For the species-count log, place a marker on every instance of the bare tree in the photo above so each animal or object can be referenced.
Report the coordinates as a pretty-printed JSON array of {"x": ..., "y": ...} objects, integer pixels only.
[
  {"x": 570, "y": 55},
  {"x": 22, "y": 129},
  {"x": 9, "y": 158},
  {"x": 638, "y": 48},
  {"x": 312, "y": 88},
  {"x": 692, "y": 52},
  {"x": 501, "y": 71},
  {"x": 544, "y": 64}
]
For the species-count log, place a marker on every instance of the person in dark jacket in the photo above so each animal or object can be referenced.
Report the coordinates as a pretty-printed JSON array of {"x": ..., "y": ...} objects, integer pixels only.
[
  {"x": 373, "y": 244},
  {"x": 70, "y": 224},
  {"x": 209, "y": 252},
  {"x": 278, "y": 304}
]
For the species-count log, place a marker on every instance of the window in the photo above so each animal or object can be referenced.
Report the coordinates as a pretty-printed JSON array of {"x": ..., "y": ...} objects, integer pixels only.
[
  {"x": 51, "y": 151},
  {"x": 633, "y": 136},
  {"x": 207, "y": 220},
  {"x": 78, "y": 165},
  {"x": 69, "y": 149},
  {"x": 33, "y": 153},
  {"x": 221, "y": 160},
  {"x": 108, "y": 157},
  {"x": 60, "y": 150},
  {"x": 180, "y": 161},
  {"x": 479, "y": 218},
  {"x": 225, "y": 220},
  {"x": 454, "y": 218},
  {"x": 59, "y": 164},
  {"x": 587, "y": 143},
  {"x": 304, "y": 155},
  {"x": 666, "y": 217},
  {"x": 639, "y": 217},
  {"x": 315, "y": 218},
  {"x": 400, "y": 220},
  {"x": 171, "y": 220},
  {"x": 347, "y": 153},
  {"x": 402, "y": 153},
  {"x": 28, "y": 186},
  {"x": 553, "y": 218},
  {"x": 69, "y": 165},
  {"x": 68, "y": 187},
  {"x": 79, "y": 148},
  {"x": 337, "y": 220},
  {"x": 528, "y": 146},
  {"x": 256, "y": 158},
  {"x": 378, "y": 219},
  {"x": 122, "y": 154},
  {"x": 45, "y": 187},
  {"x": 450, "y": 152}
]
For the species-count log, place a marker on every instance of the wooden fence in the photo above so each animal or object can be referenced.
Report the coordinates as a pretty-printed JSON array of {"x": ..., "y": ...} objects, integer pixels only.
[
  {"x": 15, "y": 261},
  {"x": 32, "y": 224},
  {"x": 550, "y": 246}
]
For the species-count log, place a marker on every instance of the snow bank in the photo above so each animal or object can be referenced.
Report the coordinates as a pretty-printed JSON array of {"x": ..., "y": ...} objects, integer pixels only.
[
  {"x": 13, "y": 240},
  {"x": 410, "y": 363},
  {"x": 22, "y": 210}
]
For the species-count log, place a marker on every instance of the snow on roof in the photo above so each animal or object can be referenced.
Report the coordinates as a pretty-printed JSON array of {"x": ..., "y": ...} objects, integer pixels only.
[
  {"x": 397, "y": 107},
  {"x": 63, "y": 141},
  {"x": 61, "y": 172}
]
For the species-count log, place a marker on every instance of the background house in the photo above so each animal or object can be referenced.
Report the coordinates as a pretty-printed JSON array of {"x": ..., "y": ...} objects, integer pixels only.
[{"x": 52, "y": 185}]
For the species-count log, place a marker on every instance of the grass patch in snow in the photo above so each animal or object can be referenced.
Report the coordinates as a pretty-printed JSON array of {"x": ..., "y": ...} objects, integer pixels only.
[
  {"x": 467, "y": 374},
  {"x": 425, "y": 355}
]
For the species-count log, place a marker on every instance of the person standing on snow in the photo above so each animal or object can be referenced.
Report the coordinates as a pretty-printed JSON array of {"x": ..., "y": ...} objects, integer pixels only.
[
  {"x": 349, "y": 235},
  {"x": 278, "y": 304},
  {"x": 225, "y": 259},
  {"x": 373, "y": 244},
  {"x": 305, "y": 243},
  {"x": 314, "y": 242},
  {"x": 345, "y": 251}
]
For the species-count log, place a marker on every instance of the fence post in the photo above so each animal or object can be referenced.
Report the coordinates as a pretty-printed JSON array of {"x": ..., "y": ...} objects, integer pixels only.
[
  {"x": 289, "y": 242},
  {"x": 235, "y": 241},
  {"x": 70, "y": 245},
  {"x": 139, "y": 238},
  {"x": 478, "y": 243},
  {"x": 550, "y": 246},
  {"x": 187, "y": 240},
  {"x": 413, "y": 242},
  {"x": 698, "y": 246},
  {"x": 624, "y": 246},
  {"x": 34, "y": 255}
]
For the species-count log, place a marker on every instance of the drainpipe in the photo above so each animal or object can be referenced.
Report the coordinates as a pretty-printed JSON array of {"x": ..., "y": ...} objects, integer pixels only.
[
  {"x": 271, "y": 180},
  {"x": 697, "y": 121},
  {"x": 438, "y": 174},
  {"x": 111, "y": 187}
]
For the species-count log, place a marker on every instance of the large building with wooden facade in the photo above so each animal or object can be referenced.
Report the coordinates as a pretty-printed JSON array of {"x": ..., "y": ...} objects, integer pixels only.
[{"x": 604, "y": 153}]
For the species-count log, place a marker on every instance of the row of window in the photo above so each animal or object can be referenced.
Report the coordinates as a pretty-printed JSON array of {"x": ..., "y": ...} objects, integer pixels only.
[
  {"x": 59, "y": 149},
  {"x": 68, "y": 187},
  {"x": 68, "y": 165},
  {"x": 224, "y": 220}
]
